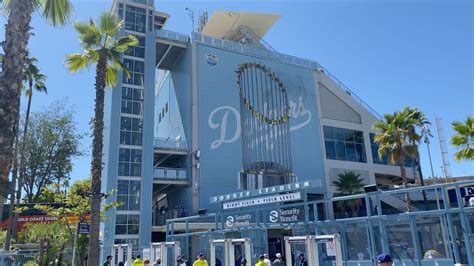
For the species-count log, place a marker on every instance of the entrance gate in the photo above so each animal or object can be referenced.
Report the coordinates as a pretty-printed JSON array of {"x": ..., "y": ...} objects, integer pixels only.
[
  {"x": 318, "y": 250},
  {"x": 166, "y": 251},
  {"x": 121, "y": 253},
  {"x": 230, "y": 251}
]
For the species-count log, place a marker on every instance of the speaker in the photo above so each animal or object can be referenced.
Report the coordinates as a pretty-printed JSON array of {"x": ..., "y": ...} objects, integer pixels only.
[
  {"x": 370, "y": 188},
  {"x": 202, "y": 211}
]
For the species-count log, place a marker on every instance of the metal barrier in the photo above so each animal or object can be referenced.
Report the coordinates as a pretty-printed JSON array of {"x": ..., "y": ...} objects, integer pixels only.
[{"x": 20, "y": 257}]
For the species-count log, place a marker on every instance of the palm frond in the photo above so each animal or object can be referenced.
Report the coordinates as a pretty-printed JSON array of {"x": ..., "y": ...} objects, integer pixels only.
[
  {"x": 122, "y": 44},
  {"x": 77, "y": 62},
  {"x": 57, "y": 12},
  {"x": 89, "y": 35},
  {"x": 109, "y": 24},
  {"x": 112, "y": 75}
]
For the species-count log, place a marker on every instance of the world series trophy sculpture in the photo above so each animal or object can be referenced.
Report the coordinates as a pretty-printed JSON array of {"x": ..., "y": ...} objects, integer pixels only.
[{"x": 265, "y": 114}]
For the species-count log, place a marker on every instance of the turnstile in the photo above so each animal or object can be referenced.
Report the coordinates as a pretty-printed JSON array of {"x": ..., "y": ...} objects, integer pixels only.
[
  {"x": 317, "y": 250},
  {"x": 230, "y": 251},
  {"x": 121, "y": 253},
  {"x": 166, "y": 251}
]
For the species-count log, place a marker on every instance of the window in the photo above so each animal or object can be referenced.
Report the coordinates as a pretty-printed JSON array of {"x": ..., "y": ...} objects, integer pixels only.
[
  {"x": 131, "y": 131},
  {"x": 132, "y": 101},
  {"x": 135, "y": 18},
  {"x": 136, "y": 69},
  {"x": 130, "y": 162},
  {"x": 120, "y": 11},
  {"x": 129, "y": 194},
  {"x": 409, "y": 162},
  {"x": 344, "y": 144},
  {"x": 127, "y": 224},
  {"x": 139, "y": 49}
]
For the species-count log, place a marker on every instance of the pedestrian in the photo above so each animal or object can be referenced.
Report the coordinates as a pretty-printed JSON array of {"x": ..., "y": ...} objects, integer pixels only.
[
  {"x": 200, "y": 261},
  {"x": 180, "y": 261},
  {"x": 243, "y": 262},
  {"x": 261, "y": 261},
  {"x": 157, "y": 262},
  {"x": 267, "y": 260},
  {"x": 278, "y": 261},
  {"x": 303, "y": 261},
  {"x": 138, "y": 261},
  {"x": 384, "y": 259},
  {"x": 108, "y": 261},
  {"x": 146, "y": 262},
  {"x": 121, "y": 263}
]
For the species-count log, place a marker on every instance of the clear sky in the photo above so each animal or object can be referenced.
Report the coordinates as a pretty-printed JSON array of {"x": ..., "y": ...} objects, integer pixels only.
[{"x": 392, "y": 53}]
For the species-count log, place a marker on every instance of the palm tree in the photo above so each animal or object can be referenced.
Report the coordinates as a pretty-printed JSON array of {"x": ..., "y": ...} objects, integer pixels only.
[
  {"x": 17, "y": 34},
  {"x": 103, "y": 48},
  {"x": 464, "y": 139},
  {"x": 33, "y": 79},
  {"x": 349, "y": 183},
  {"x": 398, "y": 141}
]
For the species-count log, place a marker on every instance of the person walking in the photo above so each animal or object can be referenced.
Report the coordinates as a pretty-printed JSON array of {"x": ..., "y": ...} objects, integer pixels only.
[
  {"x": 243, "y": 262},
  {"x": 261, "y": 261},
  {"x": 302, "y": 260},
  {"x": 157, "y": 262},
  {"x": 278, "y": 261},
  {"x": 138, "y": 261},
  {"x": 384, "y": 259},
  {"x": 200, "y": 261},
  {"x": 267, "y": 260},
  {"x": 108, "y": 261},
  {"x": 146, "y": 262}
]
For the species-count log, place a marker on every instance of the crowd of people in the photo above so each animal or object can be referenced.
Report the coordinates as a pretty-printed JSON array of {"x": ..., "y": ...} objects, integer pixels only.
[{"x": 263, "y": 260}]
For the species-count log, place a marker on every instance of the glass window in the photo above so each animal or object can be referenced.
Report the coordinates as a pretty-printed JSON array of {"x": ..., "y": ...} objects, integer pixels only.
[
  {"x": 131, "y": 131},
  {"x": 135, "y": 18},
  {"x": 136, "y": 69},
  {"x": 409, "y": 162},
  {"x": 130, "y": 162},
  {"x": 132, "y": 101},
  {"x": 127, "y": 224},
  {"x": 129, "y": 194},
  {"x": 344, "y": 144}
]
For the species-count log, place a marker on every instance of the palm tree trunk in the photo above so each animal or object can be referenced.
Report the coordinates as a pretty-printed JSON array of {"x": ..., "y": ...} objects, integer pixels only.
[
  {"x": 11, "y": 215},
  {"x": 97, "y": 144},
  {"x": 405, "y": 182},
  {"x": 22, "y": 159},
  {"x": 16, "y": 42}
]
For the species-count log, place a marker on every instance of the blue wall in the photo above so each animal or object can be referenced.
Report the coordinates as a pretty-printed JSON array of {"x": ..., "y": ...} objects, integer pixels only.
[{"x": 219, "y": 99}]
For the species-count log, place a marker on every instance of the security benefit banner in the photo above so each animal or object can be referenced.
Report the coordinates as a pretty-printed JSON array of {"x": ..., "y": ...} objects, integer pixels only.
[
  {"x": 286, "y": 215},
  {"x": 239, "y": 220}
]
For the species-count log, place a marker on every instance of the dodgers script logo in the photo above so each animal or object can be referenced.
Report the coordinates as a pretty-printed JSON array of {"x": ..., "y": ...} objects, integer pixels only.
[
  {"x": 211, "y": 59},
  {"x": 220, "y": 117}
]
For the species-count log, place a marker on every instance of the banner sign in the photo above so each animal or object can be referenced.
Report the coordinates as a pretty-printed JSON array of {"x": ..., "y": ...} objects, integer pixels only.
[
  {"x": 238, "y": 220},
  {"x": 466, "y": 193},
  {"x": 83, "y": 228},
  {"x": 286, "y": 215},
  {"x": 262, "y": 200},
  {"x": 262, "y": 191}
]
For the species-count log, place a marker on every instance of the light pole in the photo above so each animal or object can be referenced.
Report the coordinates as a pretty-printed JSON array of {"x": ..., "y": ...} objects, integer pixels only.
[
  {"x": 426, "y": 133},
  {"x": 191, "y": 16}
]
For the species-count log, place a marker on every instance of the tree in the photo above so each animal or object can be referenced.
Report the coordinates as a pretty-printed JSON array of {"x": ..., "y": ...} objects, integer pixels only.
[
  {"x": 464, "y": 139},
  {"x": 17, "y": 34},
  {"x": 74, "y": 203},
  {"x": 52, "y": 142},
  {"x": 103, "y": 48},
  {"x": 32, "y": 79},
  {"x": 349, "y": 183},
  {"x": 398, "y": 140}
]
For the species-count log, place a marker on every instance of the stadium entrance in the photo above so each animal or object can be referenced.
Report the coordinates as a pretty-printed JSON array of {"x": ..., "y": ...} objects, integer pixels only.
[{"x": 437, "y": 231}]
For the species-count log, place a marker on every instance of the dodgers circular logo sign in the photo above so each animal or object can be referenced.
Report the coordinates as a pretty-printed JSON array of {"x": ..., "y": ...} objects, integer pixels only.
[{"x": 211, "y": 59}]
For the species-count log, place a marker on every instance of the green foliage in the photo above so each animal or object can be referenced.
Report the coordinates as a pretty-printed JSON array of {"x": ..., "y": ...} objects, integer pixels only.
[
  {"x": 101, "y": 41},
  {"x": 52, "y": 239},
  {"x": 349, "y": 183},
  {"x": 32, "y": 76},
  {"x": 51, "y": 143},
  {"x": 463, "y": 139},
  {"x": 55, "y": 12}
]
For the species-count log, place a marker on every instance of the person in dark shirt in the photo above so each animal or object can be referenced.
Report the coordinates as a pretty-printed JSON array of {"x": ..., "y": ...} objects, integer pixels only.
[{"x": 302, "y": 261}]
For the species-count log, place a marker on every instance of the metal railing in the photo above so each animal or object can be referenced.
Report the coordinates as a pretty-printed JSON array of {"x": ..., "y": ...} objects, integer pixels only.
[
  {"x": 171, "y": 35},
  {"x": 166, "y": 143},
  {"x": 170, "y": 173}
]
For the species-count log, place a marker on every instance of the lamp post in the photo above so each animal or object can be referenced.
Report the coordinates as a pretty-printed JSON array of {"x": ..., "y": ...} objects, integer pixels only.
[
  {"x": 191, "y": 16},
  {"x": 426, "y": 133}
]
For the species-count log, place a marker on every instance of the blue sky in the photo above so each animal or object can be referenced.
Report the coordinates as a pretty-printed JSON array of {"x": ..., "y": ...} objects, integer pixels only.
[{"x": 393, "y": 54}]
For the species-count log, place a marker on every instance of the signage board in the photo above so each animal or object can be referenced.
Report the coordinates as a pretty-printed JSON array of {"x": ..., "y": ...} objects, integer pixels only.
[
  {"x": 261, "y": 192},
  {"x": 83, "y": 228},
  {"x": 262, "y": 200},
  {"x": 466, "y": 193},
  {"x": 286, "y": 215},
  {"x": 238, "y": 220}
]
